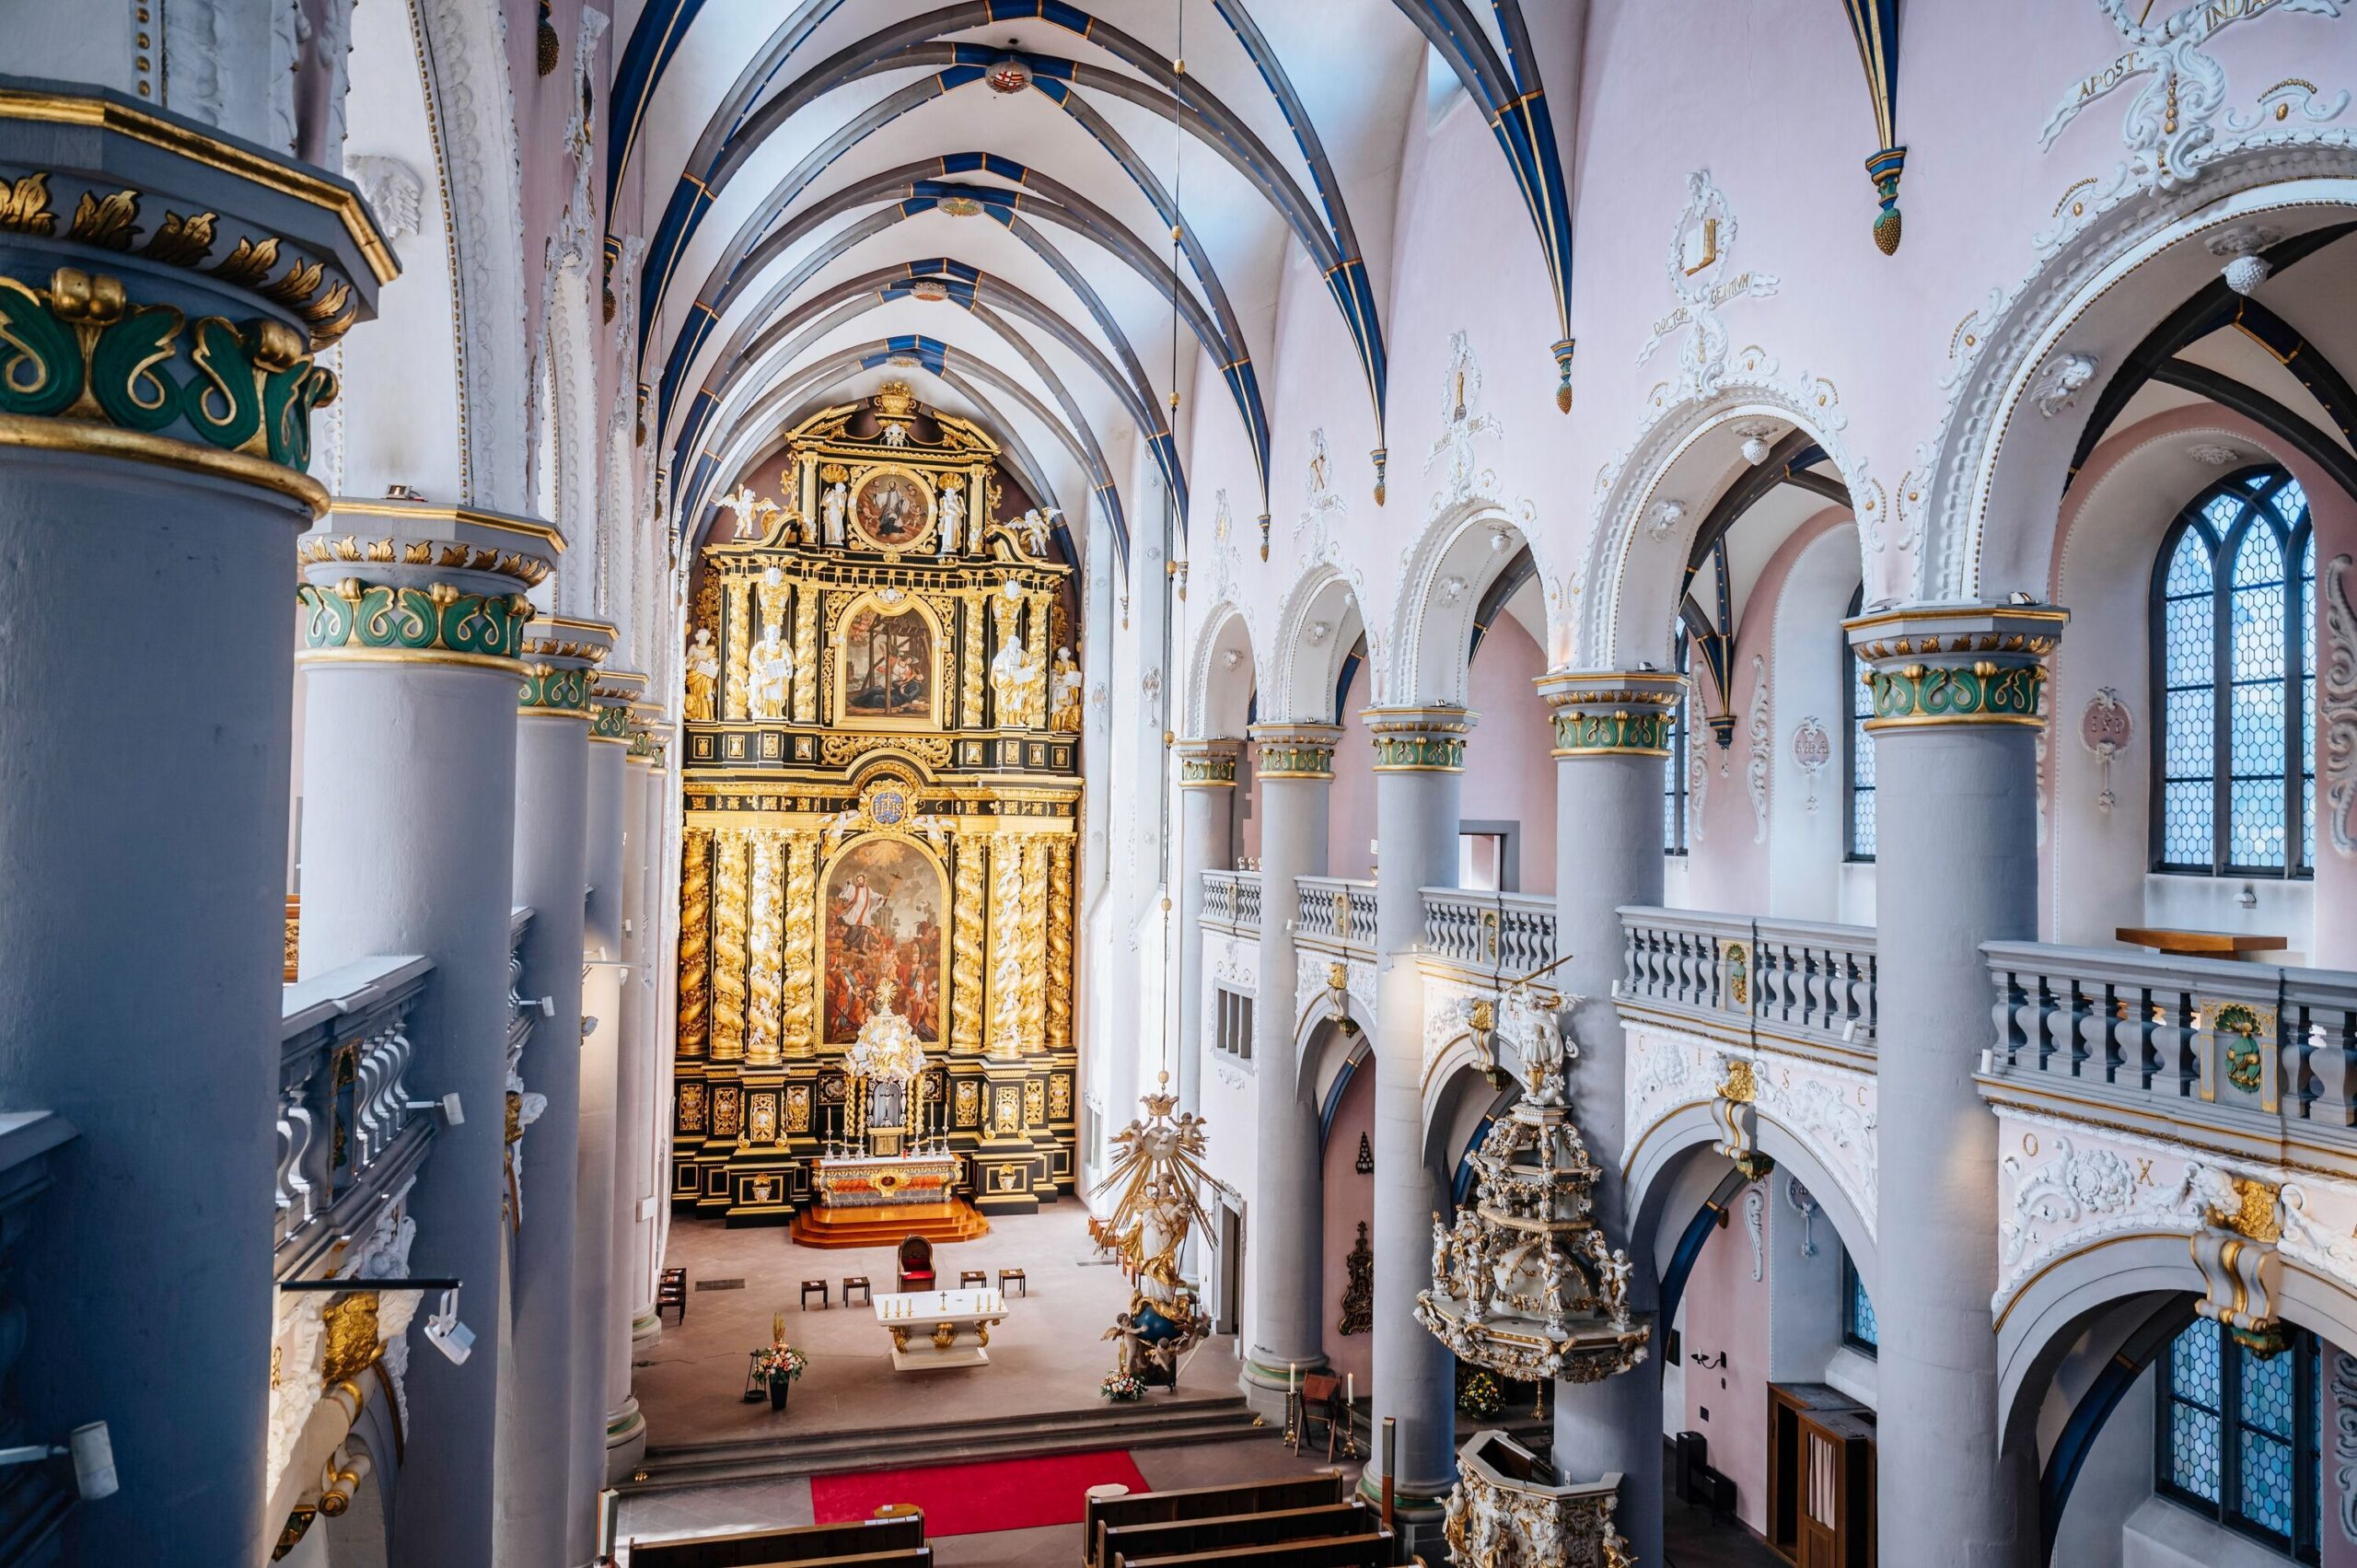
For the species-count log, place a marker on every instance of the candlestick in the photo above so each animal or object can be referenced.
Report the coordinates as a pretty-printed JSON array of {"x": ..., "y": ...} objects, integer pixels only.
[{"x": 1349, "y": 1387}]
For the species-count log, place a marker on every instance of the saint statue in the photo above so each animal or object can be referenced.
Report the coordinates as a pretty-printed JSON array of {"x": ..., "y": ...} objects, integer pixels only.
[
  {"x": 704, "y": 677},
  {"x": 1009, "y": 683},
  {"x": 837, "y": 502},
  {"x": 772, "y": 664},
  {"x": 953, "y": 517},
  {"x": 1065, "y": 713}
]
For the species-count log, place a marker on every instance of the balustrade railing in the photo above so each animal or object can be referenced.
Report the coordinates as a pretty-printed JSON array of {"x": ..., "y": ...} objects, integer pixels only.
[
  {"x": 34, "y": 1499},
  {"x": 1752, "y": 981},
  {"x": 1335, "y": 914},
  {"x": 1232, "y": 901},
  {"x": 2251, "y": 1044},
  {"x": 347, "y": 1134},
  {"x": 1511, "y": 933}
]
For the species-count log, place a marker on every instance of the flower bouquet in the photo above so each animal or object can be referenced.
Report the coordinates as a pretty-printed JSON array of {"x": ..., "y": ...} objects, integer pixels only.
[
  {"x": 1122, "y": 1388},
  {"x": 779, "y": 1365},
  {"x": 1480, "y": 1397}
]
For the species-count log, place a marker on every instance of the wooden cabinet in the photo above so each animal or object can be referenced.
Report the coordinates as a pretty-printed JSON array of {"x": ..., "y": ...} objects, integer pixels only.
[{"x": 1820, "y": 1477}]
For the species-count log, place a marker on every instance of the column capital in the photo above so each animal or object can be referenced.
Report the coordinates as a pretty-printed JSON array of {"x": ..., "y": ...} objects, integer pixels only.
[
  {"x": 408, "y": 580},
  {"x": 1418, "y": 739},
  {"x": 167, "y": 289},
  {"x": 648, "y": 724},
  {"x": 611, "y": 693},
  {"x": 561, "y": 656},
  {"x": 1294, "y": 750},
  {"x": 1956, "y": 664},
  {"x": 1612, "y": 712},
  {"x": 1207, "y": 762}
]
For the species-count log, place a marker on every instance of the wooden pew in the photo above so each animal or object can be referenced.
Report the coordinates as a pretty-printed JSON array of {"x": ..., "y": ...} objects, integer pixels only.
[
  {"x": 856, "y": 1542},
  {"x": 908, "y": 1557},
  {"x": 1373, "y": 1550},
  {"x": 1128, "y": 1544},
  {"x": 1203, "y": 1503}
]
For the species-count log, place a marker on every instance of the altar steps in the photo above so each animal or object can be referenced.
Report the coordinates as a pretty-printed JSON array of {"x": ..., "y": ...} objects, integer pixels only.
[
  {"x": 886, "y": 1224},
  {"x": 1158, "y": 1422}
]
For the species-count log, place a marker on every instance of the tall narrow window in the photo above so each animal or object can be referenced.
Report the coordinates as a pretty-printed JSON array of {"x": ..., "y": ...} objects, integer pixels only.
[
  {"x": 1860, "y": 1329},
  {"x": 2238, "y": 1435},
  {"x": 1858, "y": 752},
  {"x": 2233, "y": 675},
  {"x": 1673, "y": 783}
]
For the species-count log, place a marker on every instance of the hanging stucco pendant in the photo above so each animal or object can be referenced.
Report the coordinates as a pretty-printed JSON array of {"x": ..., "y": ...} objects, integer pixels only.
[
  {"x": 1562, "y": 352},
  {"x": 547, "y": 41},
  {"x": 1382, "y": 456},
  {"x": 1884, "y": 169},
  {"x": 1264, "y": 536}
]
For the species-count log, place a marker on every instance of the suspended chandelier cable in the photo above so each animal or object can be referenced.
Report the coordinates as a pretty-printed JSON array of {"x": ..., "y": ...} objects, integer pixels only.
[{"x": 1171, "y": 858}]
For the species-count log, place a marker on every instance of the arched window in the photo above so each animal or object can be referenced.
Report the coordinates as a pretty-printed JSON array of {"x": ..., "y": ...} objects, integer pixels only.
[
  {"x": 2233, "y": 677},
  {"x": 1673, "y": 783},
  {"x": 1857, "y": 753}
]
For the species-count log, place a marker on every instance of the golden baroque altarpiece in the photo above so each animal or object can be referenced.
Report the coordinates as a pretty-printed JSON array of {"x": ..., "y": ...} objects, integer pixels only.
[{"x": 882, "y": 801}]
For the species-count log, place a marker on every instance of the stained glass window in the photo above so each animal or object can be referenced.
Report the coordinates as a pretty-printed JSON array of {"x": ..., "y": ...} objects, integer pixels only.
[
  {"x": 1858, "y": 780},
  {"x": 2233, "y": 674},
  {"x": 1673, "y": 783},
  {"x": 1859, "y": 1326},
  {"x": 2239, "y": 1433}
]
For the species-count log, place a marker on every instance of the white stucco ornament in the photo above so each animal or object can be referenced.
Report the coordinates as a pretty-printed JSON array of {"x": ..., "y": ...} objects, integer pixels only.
[
  {"x": 1702, "y": 275},
  {"x": 2058, "y": 386},
  {"x": 1812, "y": 749},
  {"x": 1667, "y": 512},
  {"x": 2105, "y": 729},
  {"x": 2336, "y": 706},
  {"x": 1762, "y": 737},
  {"x": 1461, "y": 420}
]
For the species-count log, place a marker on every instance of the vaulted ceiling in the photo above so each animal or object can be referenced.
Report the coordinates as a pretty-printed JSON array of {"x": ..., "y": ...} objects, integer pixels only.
[{"x": 1003, "y": 203}]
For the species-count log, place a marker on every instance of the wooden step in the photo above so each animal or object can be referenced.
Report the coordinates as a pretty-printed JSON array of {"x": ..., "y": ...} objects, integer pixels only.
[{"x": 886, "y": 1225}]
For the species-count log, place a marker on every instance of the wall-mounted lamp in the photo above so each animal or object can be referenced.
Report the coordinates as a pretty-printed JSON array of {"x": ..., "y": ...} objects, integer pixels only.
[
  {"x": 92, "y": 1452},
  {"x": 1708, "y": 1363}
]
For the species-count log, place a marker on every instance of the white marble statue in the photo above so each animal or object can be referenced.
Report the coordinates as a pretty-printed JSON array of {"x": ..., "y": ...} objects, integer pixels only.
[
  {"x": 751, "y": 512},
  {"x": 704, "y": 677},
  {"x": 837, "y": 502},
  {"x": 1009, "y": 682},
  {"x": 1032, "y": 528},
  {"x": 953, "y": 519},
  {"x": 773, "y": 664},
  {"x": 1065, "y": 712}
]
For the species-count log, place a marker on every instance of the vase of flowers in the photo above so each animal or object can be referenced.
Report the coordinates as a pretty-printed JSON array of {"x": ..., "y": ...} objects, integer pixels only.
[
  {"x": 1122, "y": 1388},
  {"x": 1480, "y": 1397},
  {"x": 779, "y": 1366}
]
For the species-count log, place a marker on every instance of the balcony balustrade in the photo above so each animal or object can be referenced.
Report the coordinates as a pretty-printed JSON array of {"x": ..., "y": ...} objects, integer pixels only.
[
  {"x": 347, "y": 1134},
  {"x": 1508, "y": 933},
  {"x": 1764, "y": 984},
  {"x": 1232, "y": 901},
  {"x": 1335, "y": 914}
]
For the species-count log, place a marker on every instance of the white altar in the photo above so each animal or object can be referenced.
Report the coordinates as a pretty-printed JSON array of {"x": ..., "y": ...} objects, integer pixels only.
[{"x": 940, "y": 1328}]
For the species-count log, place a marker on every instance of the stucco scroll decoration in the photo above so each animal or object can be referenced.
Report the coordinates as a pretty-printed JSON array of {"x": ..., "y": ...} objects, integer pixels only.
[
  {"x": 1461, "y": 420},
  {"x": 1812, "y": 749},
  {"x": 1702, "y": 275},
  {"x": 2058, "y": 386},
  {"x": 1805, "y": 1204},
  {"x": 393, "y": 190},
  {"x": 2344, "y": 1442},
  {"x": 1224, "y": 561},
  {"x": 1698, "y": 792},
  {"x": 2169, "y": 120},
  {"x": 1309, "y": 986},
  {"x": 2105, "y": 729},
  {"x": 2338, "y": 705},
  {"x": 1754, "y": 1214},
  {"x": 1763, "y": 743},
  {"x": 1322, "y": 505}
]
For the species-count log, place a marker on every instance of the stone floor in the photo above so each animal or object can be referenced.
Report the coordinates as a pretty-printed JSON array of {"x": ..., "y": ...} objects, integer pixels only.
[{"x": 1046, "y": 1356}]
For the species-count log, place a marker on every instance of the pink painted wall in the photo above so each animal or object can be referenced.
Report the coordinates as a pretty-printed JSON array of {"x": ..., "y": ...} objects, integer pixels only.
[
  {"x": 1728, "y": 1310},
  {"x": 1351, "y": 807},
  {"x": 1509, "y": 776},
  {"x": 1350, "y": 1200}
]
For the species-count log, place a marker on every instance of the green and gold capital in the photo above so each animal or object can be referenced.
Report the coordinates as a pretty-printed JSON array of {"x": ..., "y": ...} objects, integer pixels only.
[
  {"x": 1294, "y": 750},
  {"x": 1956, "y": 664},
  {"x": 410, "y": 581},
  {"x": 611, "y": 696},
  {"x": 1612, "y": 712},
  {"x": 1418, "y": 739},
  {"x": 561, "y": 656},
  {"x": 1207, "y": 763}
]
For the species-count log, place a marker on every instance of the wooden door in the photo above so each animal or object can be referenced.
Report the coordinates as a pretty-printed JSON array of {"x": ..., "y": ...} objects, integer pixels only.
[{"x": 1820, "y": 1506}]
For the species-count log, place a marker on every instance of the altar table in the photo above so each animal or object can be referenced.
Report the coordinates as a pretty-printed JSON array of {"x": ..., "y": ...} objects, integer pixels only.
[
  {"x": 939, "y": 1328},
  {"x": 866, "y": 1181}
]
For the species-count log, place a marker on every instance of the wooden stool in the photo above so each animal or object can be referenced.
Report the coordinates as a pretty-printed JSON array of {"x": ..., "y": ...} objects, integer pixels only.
[
  {"x": 1018, "y": 1276},
  {"x": 857, "y": 1282},
  {"x": 967, "y": 1277},
  {"x": 818, "y": 1285},
  {"x": 671, "y": 1290}
]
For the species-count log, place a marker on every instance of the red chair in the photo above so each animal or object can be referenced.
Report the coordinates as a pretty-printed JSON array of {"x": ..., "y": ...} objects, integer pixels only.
[{"x": 916, "y": 1265}]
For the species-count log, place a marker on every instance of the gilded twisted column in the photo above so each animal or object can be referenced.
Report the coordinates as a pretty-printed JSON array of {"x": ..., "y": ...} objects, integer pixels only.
[
  {"x": 1059, "y": 945},
  {"x": 728, "y": 933},
  {"x": 764, "y": 985},
  {"x": 806, "y": 656},
  {"x": 1005, "y": 1034},
  {"x": 966, "y": 951},
  {"x": 695, "y": 940},
  {"x": 800, "y": 1027},
  {"x": 734, "y": 700},
  {"x": 969, "y": 671},
  {"x": 1035, "y": 943}
]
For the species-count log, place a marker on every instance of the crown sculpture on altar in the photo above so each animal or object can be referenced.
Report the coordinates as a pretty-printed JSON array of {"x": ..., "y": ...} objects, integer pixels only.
[
  {"x": 1158, "y": 1171},
  {"x": 1527, "y": 1286},
  {"x": 887, "y": 1046}
]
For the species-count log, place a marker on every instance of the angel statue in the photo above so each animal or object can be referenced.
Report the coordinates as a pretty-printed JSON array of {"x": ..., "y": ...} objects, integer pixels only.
[
  {"x": 1064, "y": 714},
  {"x": 1032, "y": 528},
  {"x": 752, "y": 513},
  {"x": 703, "y": 676},
  {"x": 953, "y": 515},
  {"x": 837, "y": 502},
  {"x": 771, "y": 662}
]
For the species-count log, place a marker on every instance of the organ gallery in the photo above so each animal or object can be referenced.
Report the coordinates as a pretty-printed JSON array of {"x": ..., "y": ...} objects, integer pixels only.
[{"x": 882, "y": 802}]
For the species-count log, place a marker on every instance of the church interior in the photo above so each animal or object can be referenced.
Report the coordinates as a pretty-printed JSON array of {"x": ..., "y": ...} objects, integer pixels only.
[{"x": 940, "y": 892}]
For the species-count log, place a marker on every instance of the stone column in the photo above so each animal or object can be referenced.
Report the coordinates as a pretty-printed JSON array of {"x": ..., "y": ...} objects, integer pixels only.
[
  {"x": 1207, "y": 843},
  {"x": 413, "y": 630},
  {"x": 1611, "y": 739},
  {"x": 648, "y": 1124},
  {"x": 149, "y": 676},
  {"x": 1285, "y": 1247},
  {"x": 1419, "y": 764},
  {"x": 1956, "y": 698},
  {"x": 551, "y": 806},
  {"x": 627, "y": 1300},
  {"x": 601, "y": 999}
]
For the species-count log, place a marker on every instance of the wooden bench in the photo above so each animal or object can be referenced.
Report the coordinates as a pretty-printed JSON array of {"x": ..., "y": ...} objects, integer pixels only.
[
  {"x": 1325, "y": 1487},
  {"x": 1128, "y": 1544},
  {"x": 864, "y": 1541},
  {"x": 1373, "y": 1550}
]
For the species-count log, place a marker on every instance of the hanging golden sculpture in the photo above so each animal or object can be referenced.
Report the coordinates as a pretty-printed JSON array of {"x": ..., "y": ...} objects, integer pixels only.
[{"x": 847, "y": 649}]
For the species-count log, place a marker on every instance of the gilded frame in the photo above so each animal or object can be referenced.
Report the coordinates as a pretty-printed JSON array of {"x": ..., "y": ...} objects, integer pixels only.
[
  {"x": 937, "y": 677},
  {"x": 823, "y": 885},
  {"x": 927, "y": 484}
]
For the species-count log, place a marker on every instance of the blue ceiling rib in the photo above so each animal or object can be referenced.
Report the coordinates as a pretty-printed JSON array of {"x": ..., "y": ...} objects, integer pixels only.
[
  {"x": 653, "y": 42},
  {"x": 1875, "y": 24}
]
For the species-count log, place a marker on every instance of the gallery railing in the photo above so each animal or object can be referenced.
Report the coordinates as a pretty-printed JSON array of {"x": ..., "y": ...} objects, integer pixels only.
[
  {"x": 1232, "y": 901},
  {"x": 1335, "y": 914},
  {"x": 34, "y": 1499},
  {"x": 1511, "y": 933},
  {"x": 347, "y": 1134},
  {"x": 2261, "y": 1049},
  {"x": 1760, "y": 983}
]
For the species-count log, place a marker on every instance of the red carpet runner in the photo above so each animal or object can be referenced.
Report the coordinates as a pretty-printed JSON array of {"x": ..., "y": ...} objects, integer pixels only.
[{"x": 996, "y": 1495}]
